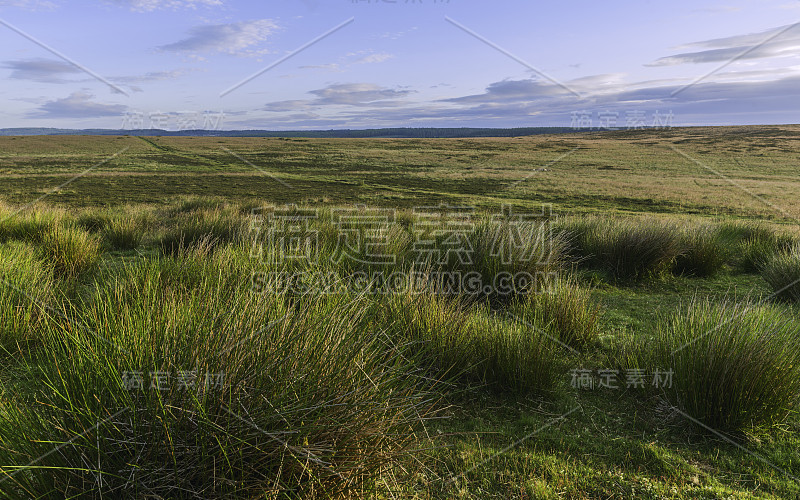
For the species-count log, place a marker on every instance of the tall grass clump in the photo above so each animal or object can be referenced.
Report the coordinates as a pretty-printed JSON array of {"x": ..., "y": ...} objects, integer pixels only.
[
  {"x": 704, "y": 251},
  {"x": 626, "y": 249},
  {"x": 563, "y": 309},
  {"x": 70, "y": 251},
  {"x": 512, "y": 356},
  {"x": 755, "y": 242},
  {"x": 93, "y": 221},
  {"x": 782, "y": 272},
  {"x": 211, "y": 228},
  {"x": 26, "y": 293},
  {"x": 192, "y": 204},
  {"x": 27, "y": 226},
  {"x": 736, "y": 366},
  {"x": 527, "y": 252},
  {"x": 289, "y": 241},
  {"x": 350, "y": 246},
  {"x": 474, "y": 345},
  {"x": 305, "y": 400},
  {"x": 124, "y": 232},
  {"x": 762, "y": 246},
  {"x": 498, "y": 259}
]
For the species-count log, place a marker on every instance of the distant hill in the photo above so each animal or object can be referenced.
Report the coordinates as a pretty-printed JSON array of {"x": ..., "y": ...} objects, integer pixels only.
[{"x": 389, "y": 133}]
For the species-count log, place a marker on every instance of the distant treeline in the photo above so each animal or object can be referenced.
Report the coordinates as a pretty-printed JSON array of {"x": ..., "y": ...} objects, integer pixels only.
[{"x": 396, "y": 133}]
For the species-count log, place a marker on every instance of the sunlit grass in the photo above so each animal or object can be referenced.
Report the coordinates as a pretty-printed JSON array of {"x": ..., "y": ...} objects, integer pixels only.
[
  {"x": 329, "y": 390},
  {"x": 782, "y": 272},
  {"x": 736, "y": 366}
]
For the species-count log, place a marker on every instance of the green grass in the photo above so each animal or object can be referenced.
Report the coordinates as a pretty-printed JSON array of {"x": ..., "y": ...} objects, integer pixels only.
[
  {"x": 472, "y": 344},
  {"x": 373, "y": 390},
  {"x": 736, "y": 366},
  {"x": 125, "y": 231},
  {"x": 27, "y": 291},
  {"x": 624, "y": 172},
  {"x": 627, "y": 250},
  {"x": 331, "y": 406},
  {"x": 566, "y": 310},
  {"x": 782, "y": 272},
  {"x": 703, "y": 254},
  {"x": 761, "y": 245},
  {"x": 28, "y": 226},
  {"x": 93, "y": 221},
  {"x": 203, "y": 228},
  {"x": 437, "y": 394},
  {"x": 70, "y": 251}
]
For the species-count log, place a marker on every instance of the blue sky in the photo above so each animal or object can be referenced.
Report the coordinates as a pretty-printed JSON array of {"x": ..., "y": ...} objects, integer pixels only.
[{"x": 409, "y": 63}]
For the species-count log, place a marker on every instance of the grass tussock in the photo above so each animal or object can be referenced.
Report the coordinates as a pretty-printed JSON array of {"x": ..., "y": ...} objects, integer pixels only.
[
  {"x": 704, "y": 252},
  {"x": 529, "y": 253},
  {"x": 332, "y": 407},
  {"x": 124, "y": 232},
  {"x": 759, "y": 243},
  {"x": 626, "y": 249},
  {"x": 202, "y": 228},
  {"x": 565, "y": 310},
  {"x": 736, "y": 367},
  {"x": 28, "y": 226},
  {"x": 348, "y": 368},
  {"x": 500, "y": 259},
  {"x": 193, "y": 204},
  {"x": 782, "y": 272},
  {"x": 26, "y": 294},
  {"x": 70, "y": 251},
  {"x": 93, "y": 221},
  {"x": 473, "y": 344}
]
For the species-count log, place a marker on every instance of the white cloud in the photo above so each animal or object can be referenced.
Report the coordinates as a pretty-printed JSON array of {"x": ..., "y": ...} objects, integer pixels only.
[
  {"x": 40, "y": 70},
  {"x": 775, "y": 42},
  {"x": 512, "y": 91},
  {"x": 282, "y": 106},
  {"x": 531, "y": 102},
  {"x": 151, "y": 5},
  {"x": 345, "y": 94},
  {"x": 327, "y": 67},
  {"x": 153, "y": 76},
  {"x": 29, "y": 4},
  {"x": 351, "y": 59},
  {"x": 233, "y": 38},
  {"x": 374, "y": 58},
  {"x": 78, "y": 105},
  {"x": 133, "y": 81},
  {"x": 357, "y": 94},
  {"x": 394, "y": 35}
]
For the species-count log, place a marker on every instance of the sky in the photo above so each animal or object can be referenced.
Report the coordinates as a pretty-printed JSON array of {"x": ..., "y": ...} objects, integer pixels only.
[{"x": 335, "y": 64}]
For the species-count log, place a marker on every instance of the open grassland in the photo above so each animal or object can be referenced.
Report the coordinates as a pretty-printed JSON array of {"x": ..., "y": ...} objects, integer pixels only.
[
  {"x": 678, "y": 171},
  {"x": 169, "y": 330}
]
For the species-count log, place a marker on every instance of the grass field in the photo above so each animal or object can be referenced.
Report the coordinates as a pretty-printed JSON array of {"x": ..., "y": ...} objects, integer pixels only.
[
  {"x": 676, "y": 171},
  {"x": 169, "y": 328}
]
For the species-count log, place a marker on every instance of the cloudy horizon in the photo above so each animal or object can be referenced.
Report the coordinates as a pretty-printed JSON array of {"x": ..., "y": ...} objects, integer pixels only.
[{"x": 315, "y": 64}]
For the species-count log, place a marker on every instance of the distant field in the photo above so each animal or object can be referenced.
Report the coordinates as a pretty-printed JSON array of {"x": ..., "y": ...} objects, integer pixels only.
[{"x": 706, "y": 171}]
